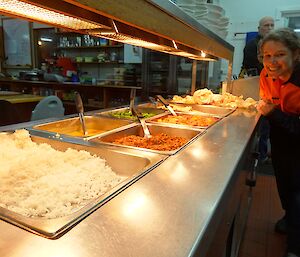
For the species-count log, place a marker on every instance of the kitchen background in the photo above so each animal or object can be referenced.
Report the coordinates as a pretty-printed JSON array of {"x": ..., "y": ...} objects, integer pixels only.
[
  {"x": 102, "y": 62},
  {"x": 244, "y": 16}
]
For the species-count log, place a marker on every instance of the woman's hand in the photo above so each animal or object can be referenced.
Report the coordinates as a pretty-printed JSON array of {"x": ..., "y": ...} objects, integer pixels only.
[{"x": 265, "y": 107}]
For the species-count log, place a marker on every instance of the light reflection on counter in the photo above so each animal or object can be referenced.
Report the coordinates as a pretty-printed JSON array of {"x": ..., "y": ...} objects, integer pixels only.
[
  {"x": 138, "y": 210},
  {"x": 25, "y": 248},
  {"x": 134, "y": 205},
  {"x": 224, "y": 131},
  {"x": 246, "y": 112},
  {"x": 179, "y": 174},
  {"x": 200, "y": 152}
]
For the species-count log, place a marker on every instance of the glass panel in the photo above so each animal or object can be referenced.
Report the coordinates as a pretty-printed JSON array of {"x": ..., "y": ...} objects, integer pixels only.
[
  {"x": 294, "y": 23},
  {"x": 172, "y": 75},
  {"x": 184, "y": 75},
  {"x": 159, "y": 68}
]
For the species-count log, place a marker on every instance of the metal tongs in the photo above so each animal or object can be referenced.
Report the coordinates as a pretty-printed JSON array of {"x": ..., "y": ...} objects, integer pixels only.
[
  {"x": 80, "y": 110},
  {"x": 137, "y": 114},
  {"x": 166, "y": 104}
]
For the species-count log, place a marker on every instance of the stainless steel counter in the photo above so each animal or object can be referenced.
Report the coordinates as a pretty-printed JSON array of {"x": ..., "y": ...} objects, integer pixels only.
[{"x": 171, "y": 211}]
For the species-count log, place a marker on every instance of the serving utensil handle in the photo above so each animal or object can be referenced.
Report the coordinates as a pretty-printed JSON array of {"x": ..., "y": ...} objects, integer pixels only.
[
  {"x": 80, "y": 110},
  {"x": 163, "y": 100},
  {"x": 132, "y": 96},
  {"x": 78, "y": 102},
  {"x": 166, "y": 104}
]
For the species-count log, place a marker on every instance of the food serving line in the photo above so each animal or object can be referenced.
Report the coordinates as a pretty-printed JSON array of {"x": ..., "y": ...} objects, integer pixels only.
[{"x": 184, "y": 203}]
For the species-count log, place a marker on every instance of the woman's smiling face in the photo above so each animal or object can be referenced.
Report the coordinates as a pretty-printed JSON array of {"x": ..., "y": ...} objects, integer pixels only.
[{"x": 278, "y": 60}]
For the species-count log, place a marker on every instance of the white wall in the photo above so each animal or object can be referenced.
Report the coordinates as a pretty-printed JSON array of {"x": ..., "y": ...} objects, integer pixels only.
[{"x": 244, "y": 16}]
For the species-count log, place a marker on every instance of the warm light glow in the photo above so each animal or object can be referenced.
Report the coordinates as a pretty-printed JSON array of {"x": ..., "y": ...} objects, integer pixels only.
[
  {"x": 25, "y": 247},
  {"x": 179, "y": 173},
  {"x": 112, "y": 35},
  {"x": 199, "y": 152},
  {"x": 174, "y": 43},
  {"x": 131, "y": 41},
  {"x": 184, "y": 54},
  {"x": 115, "y": 27},
  {"x": 43, "y": 15},
  {"x": 174, "y": 49},
  {"x": 45, "y": 39},
  {"x": 140, "y": 211},
  {"x": 132, "y": 207},
  {"x": 15, "y": 7}
]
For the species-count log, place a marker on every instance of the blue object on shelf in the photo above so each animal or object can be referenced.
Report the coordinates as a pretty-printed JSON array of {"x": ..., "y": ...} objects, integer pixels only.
[
  {"x": 49, "y": 107},
  {"x": 74, "y": 78}
]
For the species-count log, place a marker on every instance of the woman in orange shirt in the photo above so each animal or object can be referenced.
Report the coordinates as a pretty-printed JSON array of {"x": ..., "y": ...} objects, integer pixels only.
[{"x": 280, "y": 94}]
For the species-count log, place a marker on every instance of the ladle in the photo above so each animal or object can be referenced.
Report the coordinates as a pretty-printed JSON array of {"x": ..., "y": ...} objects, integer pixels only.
[
  {"x": 80, "y": 110},
  {"x": 166, "y": 104},
  {"x": 137, "y": 114}
]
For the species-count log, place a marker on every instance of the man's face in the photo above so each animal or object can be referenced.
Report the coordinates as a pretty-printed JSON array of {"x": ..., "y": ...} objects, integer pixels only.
[{"x": 265, "y": 26}]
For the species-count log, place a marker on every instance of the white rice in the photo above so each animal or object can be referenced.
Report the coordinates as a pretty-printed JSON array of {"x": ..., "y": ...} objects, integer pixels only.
[{"x": 39, "y": 181}]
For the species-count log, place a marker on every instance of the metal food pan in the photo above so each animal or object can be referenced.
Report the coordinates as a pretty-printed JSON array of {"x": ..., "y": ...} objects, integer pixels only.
[
  {"x": 155, "y": 105},
  {"x": 213, "y": 110},
  {"x": 141, "y": 109},
  {"x": 189, "y": 134},
  {"x": 155, "y": 120},
  {"x": 207, "y": 109},
  {"x": 72, "y": 127},
  {"x": 126, "y": 162}
]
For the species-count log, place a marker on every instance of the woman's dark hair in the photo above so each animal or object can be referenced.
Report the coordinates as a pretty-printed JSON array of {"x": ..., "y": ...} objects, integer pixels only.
[{"x": 286, "y": 36}]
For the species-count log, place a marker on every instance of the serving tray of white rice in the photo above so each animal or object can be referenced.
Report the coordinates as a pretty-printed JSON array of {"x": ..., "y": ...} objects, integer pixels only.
[{"x": 47, "y": 186}]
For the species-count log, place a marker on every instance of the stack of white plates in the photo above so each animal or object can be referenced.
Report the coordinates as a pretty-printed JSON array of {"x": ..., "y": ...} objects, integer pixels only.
[
  {"x": 188, "y": 8},
  {"x": 179, "y": 2},
  {"x": 211, "y": 16},
  {"x": 196, "y": 10}
]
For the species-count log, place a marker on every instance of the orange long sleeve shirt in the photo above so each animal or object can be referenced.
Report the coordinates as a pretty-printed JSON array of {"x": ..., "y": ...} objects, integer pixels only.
[{"x": 285, "y": 95}]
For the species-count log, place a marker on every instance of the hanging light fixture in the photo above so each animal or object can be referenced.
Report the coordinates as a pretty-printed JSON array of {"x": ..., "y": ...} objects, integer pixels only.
[
  {"x": 129, "y": 35},
  {"x": 60, "y": 14},
  {"x": 66, "y": 14}
]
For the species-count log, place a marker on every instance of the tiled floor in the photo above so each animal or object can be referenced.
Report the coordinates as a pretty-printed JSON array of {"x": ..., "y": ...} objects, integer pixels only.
[{"x": 260, "y": 240}]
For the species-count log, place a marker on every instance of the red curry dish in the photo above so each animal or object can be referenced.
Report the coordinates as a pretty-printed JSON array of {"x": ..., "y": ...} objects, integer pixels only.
[
  {"x": 190, "y": 120},
  {"x": 160, "y": 142}
]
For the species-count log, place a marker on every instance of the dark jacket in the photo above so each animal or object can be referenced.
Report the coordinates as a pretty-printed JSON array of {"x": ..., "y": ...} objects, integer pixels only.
[
  {"x": 250, "y": 60},
  {"x": 285, "y": 125},
  {"x": 285, "y": 147},
  {"x": 286, "y": 118}
]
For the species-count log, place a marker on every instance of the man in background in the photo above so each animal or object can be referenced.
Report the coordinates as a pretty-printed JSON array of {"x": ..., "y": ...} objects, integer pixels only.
[{"x": 251, "y": 65}]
